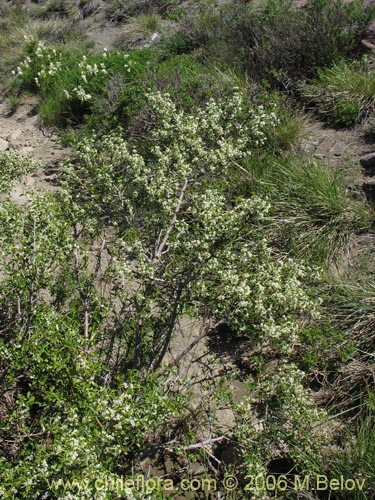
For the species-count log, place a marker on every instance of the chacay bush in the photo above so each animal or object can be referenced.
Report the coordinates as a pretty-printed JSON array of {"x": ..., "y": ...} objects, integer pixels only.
[
  {"x": 171, "y": 199},
  {"x": 345, "y": 93},
  {"x": 96, "y": 279}
]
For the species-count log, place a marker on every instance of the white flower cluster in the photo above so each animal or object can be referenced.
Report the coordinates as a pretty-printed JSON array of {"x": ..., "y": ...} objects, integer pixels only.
[
  {"x": 25, "y": 64},
  {"x": 186, "y": 146},
  {"x": 78, "y": 92},
  {"x": 48, "y": 70},
  {"x": 244, "y": 282},
  {"x": 49, "y": 59},
  {"x": 207, "y": 142},
  {"x": 88, "y": 70}
]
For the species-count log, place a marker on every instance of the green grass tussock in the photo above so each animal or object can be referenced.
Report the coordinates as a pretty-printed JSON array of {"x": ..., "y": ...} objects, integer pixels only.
[
  {"x": 139, "y": 29},
  {"x": 352, "y": 303},
  {"x": 343, "y": 94},
  {"x": 317, "y": 210}
]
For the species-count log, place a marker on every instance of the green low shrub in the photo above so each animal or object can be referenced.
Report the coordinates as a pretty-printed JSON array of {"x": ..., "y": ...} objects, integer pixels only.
[
  {"x": 75, "y": 84},
  {"x": 188, "y": 82},
  {"x": 276, "y": 40},
  {"x": 323, "y": 348},
  {"x": 70, "y": 81},
  {"x": 53, "y": 8},
  {"x": 191, "y": 83},
  {"x": 63, "y": 420},
  {"x": 97, "y": 278},
  {"x": 110, "y": 86}
]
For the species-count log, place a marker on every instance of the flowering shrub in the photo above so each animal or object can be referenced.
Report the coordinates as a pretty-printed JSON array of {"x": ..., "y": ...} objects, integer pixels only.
[
  {"x": 14, "y": 165},
  {"x": 70, "y": 82},
  {"x": 82, "y": 341},
  {"x": 179, "y": 226},
  {"x": 61, "y": 421}
]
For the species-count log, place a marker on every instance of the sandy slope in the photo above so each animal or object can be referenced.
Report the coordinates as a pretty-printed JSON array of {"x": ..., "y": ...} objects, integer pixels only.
[{"x": 23, "y": 131}]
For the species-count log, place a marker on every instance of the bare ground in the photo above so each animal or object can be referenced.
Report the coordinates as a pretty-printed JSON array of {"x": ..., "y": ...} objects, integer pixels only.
[
  {"x": 22, "y": 130},
  {"x": 341, "y": 148}
]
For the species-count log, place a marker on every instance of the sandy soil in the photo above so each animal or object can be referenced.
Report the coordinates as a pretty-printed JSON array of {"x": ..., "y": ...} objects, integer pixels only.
[{"x": 23, "y": 131}]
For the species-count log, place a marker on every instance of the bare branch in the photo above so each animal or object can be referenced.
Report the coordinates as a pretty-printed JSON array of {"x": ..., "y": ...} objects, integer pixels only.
[
  {"x": 160, "y": 248},
  {"x": 203, "y": 444}
]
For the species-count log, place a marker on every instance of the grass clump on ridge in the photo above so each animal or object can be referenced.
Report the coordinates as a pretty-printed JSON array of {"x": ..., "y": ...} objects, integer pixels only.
[
  {"x": 124, "y": 9},
  {"x": 317, "y": 209},
  {"x": 345, "y": 93}
]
